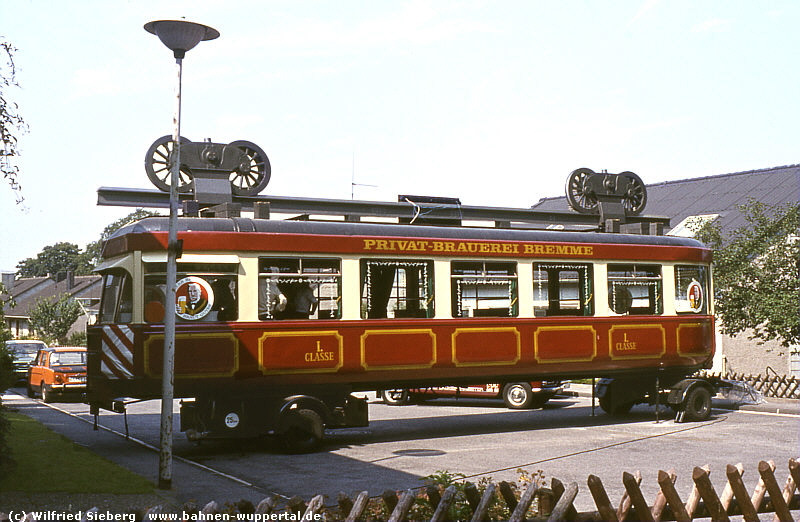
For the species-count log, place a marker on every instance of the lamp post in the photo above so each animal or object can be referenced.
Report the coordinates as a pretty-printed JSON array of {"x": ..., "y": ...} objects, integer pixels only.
[{"x": 179, "y": 36}]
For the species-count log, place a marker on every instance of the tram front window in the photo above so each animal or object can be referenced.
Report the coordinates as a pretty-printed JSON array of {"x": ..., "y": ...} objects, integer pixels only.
[
  {"x": 396, "y": 288},
  {"x": 299, "y": 288},
  {"x": 204, "y": 292}
]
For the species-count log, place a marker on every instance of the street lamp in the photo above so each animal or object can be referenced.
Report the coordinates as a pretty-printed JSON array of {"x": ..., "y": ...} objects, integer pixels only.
[{"x": 179, "y": 36}]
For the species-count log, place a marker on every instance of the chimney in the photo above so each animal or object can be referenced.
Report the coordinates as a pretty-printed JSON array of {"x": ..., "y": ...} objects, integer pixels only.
[
  {"x": 8, "y": 280},
  {"x": 70, "y": 279}
]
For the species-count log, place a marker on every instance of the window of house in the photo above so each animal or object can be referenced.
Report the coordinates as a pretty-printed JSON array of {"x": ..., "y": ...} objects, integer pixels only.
[
  {"x": 204, "y": 292},
  {"x": 562, "y": 289},
  {"x": 396, "y": 288},
  {"x": 635, "y": 289},
  {"x": 481, "y": 289},
  {"x": 691, "y": 289},
  {"x": 299, "y": 288},
  {"x": 117, "y": 300}
]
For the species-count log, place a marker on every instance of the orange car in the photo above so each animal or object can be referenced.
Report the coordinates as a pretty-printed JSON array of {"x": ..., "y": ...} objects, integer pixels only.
[{"x": 57, "y": 371}]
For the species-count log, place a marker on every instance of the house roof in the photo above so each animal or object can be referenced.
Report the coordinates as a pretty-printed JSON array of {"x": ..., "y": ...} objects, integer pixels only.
[
  {"x": 21, "y": 287},
  {"x": 721, "y": 194},
  {"x": 27, "y": 291}
]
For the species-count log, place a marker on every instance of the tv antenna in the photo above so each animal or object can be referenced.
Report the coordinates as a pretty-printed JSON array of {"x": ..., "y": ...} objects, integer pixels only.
[{"x": 353, "y": 183}]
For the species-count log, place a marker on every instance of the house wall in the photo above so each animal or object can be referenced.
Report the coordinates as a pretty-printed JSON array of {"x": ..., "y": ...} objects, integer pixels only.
[
  {"x": 743, "y": 355},
  {"x": 20, "y": 328}
]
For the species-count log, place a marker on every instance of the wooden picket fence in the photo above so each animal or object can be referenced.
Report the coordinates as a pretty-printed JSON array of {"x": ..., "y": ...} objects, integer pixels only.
[
  {"x": 778, "y": 386},
  {"x": 554, "y": 503}
]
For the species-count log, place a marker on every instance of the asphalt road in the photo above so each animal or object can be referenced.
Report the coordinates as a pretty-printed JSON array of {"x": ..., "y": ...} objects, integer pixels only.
[{"x": 478, "y": 439}]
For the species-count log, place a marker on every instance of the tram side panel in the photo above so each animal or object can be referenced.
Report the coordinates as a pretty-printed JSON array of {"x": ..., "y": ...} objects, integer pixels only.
[{"x": 271, "y": 358}]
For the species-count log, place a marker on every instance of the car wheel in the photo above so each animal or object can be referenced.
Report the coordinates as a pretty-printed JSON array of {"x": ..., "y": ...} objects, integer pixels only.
[
  {"x": 396, "y": 397},
  {"x": 539, "y": 402},
  {"x": 518, "y": 395},
  {"x": 47, "y": 393}
]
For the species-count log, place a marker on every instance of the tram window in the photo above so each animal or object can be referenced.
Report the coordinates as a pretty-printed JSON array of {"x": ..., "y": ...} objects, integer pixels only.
[
  {"x": 635, "y": 289},
  {"x": 299, "y": 288},
  {"x": 484, "y": 289},
  {"x": 396, "y": 288},
  {"x": 205, "y": 292},
  {"x": 691, "y": 289},
  {"x": 562, "y": 289},
  {"x": 117, "y": 302}
]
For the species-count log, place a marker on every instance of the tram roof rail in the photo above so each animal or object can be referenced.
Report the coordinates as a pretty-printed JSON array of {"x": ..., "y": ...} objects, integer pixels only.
[{"x": 419, "y": 210}]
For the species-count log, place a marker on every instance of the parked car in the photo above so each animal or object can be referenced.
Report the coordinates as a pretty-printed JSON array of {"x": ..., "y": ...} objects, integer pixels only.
[
  {"x": 57, "y": 371},
  {"x": 22, "y": 355},
  {"x": 516, "y": 395}
]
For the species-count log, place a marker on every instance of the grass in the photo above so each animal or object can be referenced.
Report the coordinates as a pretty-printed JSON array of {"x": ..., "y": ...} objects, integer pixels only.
[{"x": 49, "y": 462}]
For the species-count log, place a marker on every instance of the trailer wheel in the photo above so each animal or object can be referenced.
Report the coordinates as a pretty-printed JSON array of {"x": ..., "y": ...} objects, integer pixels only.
[
  {"x": 395, "y": 397},
  {"x": 304, "y": 431},
  {"x": 614, "y": 409},
  {"x": 697, "y": 404},
  {"x": 518, "y": 395}
]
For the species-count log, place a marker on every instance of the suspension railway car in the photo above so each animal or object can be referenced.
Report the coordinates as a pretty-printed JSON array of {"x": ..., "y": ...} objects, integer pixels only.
[{"x": 279, "y": 321}]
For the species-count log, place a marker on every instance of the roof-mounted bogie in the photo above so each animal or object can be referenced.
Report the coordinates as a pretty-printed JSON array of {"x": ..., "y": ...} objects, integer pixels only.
[
  {"x": 614, "y": 197},
  {"x": 211, "y": 172},
  {"x": 218, "y": 180}
]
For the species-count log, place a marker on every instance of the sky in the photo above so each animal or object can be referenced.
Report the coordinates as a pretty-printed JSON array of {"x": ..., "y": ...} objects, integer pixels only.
[{"x": 492, "y": 102}]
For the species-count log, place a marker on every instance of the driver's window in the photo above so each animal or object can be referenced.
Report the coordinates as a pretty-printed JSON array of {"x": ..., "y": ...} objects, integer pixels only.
[{"x": 117, "y": 302}]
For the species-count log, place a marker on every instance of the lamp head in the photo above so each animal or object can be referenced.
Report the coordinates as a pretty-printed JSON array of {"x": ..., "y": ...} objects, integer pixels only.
[{"x": 179, "y": 35}]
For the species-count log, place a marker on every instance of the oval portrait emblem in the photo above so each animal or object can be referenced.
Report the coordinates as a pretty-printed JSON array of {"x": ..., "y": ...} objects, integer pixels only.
[
  {"x": 193, "y": 298},
  {"x": 694, "y": 294}
]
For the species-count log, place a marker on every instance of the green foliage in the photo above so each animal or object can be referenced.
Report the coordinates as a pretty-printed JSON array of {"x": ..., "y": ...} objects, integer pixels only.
[
  {"x": 76, "y": 339},
  {"x": 6, "y": 380},
  {"x": 460, "y": 509},
  {"x": 68, "y": 257},
  {"x": 6, "y": 373},
  {"x": 757, "y": 273},
  {"x": 61, "y": 257},
  {"x": 95, "y": 248},
  {"x": 11, "y": 123},
  {"x": 52, "y": 317}
]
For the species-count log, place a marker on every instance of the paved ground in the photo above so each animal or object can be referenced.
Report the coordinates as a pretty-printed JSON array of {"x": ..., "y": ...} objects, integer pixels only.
[{"x": 479, "y": 440}]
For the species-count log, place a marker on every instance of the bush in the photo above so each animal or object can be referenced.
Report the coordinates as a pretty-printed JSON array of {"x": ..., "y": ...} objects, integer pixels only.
[
  {"x": 7, "y": 462},
  {"x": 76, "y": 339},
  {"x": 460, "y": 509}
]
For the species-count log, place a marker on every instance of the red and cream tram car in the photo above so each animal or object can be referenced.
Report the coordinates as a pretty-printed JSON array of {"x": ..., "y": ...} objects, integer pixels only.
[{"x": 279, "y": 321}]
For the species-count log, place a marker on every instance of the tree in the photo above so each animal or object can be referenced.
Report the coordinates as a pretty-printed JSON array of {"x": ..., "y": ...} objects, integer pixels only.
[
  {"x": 757, "y": 273},
  {"x": 6, "y": 375},
  {"x": 11, "y": 123},
  {"x": 95, "y": 248},
  {"x": 52, "y": 317},
  {"x": 68, "y": 257},
  {"x": 6, "y": 380},
  {"x": 61, "y": 257}
]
